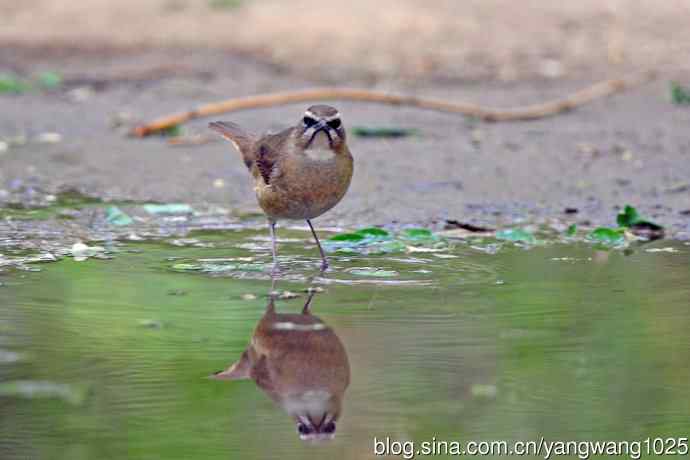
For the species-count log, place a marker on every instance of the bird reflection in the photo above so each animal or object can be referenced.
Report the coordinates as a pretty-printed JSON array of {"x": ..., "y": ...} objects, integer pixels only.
[{"x": 299, "y": 362}]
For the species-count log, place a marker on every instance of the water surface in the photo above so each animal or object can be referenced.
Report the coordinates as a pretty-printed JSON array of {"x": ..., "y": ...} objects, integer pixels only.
[{"x": 110, "y": 358}]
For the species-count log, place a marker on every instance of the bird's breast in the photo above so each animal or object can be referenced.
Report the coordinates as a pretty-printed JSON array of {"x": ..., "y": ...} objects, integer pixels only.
[
  {"x": 310, "y": 183},
  {"x": 320, "y": 155}
]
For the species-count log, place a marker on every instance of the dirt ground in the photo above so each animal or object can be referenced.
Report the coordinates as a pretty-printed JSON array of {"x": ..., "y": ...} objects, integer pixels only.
[{"x": 133, "y": 63}]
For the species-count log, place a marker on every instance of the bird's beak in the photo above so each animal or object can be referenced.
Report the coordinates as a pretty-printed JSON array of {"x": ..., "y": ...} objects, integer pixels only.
[{"x": 321, "y": 125}]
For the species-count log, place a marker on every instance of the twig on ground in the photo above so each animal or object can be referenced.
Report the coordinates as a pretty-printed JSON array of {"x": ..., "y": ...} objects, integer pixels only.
[{"x": 529, "y": 112}]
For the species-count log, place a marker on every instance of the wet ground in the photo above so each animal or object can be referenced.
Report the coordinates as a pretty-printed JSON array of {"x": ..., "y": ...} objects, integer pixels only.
[
  {"x": 631, "y": 148},
  {"x": 105, "y": 352}
]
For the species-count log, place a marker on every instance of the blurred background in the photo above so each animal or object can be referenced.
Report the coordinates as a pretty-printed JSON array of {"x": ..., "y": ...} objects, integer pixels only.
[{"x": 394, "y": 39}]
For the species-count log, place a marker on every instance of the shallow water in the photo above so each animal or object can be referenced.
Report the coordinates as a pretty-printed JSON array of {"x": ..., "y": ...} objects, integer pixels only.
[{"x": 110, "y": 358}]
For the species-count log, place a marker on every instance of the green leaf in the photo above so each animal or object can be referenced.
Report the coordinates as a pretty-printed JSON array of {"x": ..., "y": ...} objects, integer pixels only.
[
  {"x": 628, "y": 217},
  {"x": 679, "y": 94},
  {"x": 12, "y": 84},
  {"x": 516, "y": 234},
  {"x": 49, "y": 80},
  {"x": 363, "y": 131},
  {"x": 417, "y": 234},
  {"x": 352, "y": 237},
  {"x": 572, "y": 230},
  {"x": 373, "y": 231},
  {"x": 607, "y": 236},
  {"x": 116, "y": 216}
]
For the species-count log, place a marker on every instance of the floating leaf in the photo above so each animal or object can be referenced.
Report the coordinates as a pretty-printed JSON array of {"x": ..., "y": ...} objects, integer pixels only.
[
  {"x": 364, "y": 131},
  {"x": 373, "y": 231},
  {"x": 417, "y": 234},
  {"x": 516, "y": 234},
  {"x": 172, "y": 208},
  {"x": 116, "y": 216},
  {"x": 607, "y": 236},
  {"x": 572, "y": 230},
  {"x": 352, "y": 237},
  {"x": 630, "y": 218}
]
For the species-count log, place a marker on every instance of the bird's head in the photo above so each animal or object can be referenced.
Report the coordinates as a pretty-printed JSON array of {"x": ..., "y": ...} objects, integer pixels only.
[
  {"x": 315, "y": 415},
  {"x": 321, "y": 127}
]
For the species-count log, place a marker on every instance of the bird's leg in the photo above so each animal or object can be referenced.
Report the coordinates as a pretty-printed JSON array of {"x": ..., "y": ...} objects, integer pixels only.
[
  {"x": 274, "y": 251},
  {"x": 307, "y": 304},
  {"x": 324, "y": 260}
]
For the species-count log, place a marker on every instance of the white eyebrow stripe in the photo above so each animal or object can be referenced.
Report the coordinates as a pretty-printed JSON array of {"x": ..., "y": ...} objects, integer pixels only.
[
  {"x": 290, "y": 326},
  {"x": 315, "y": 117}
]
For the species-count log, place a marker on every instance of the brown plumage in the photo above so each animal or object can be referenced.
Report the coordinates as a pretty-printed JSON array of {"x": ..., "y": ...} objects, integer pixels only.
[
  {"x": 299, "y": 362},
  {"x": 300, "y": 172}
]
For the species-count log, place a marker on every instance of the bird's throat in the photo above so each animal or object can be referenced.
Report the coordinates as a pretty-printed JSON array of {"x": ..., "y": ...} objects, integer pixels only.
[{"x": 319, "y": 148}]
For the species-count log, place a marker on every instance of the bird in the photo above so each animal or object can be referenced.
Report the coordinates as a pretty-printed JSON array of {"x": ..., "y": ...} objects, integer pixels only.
[
  {"x": 300, "y": 172},
  {"x": 301, "y": 364}
]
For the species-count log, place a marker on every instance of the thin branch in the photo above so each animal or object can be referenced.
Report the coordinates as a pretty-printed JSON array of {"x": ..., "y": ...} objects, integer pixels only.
[{"x": 529, "y": 112}]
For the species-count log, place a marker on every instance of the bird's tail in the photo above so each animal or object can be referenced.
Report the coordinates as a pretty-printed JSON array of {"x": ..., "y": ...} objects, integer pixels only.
[{"x": 241, "y": 139}]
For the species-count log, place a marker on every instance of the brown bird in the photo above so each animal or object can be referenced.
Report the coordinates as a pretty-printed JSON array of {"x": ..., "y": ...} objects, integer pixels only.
[
  {"x": 302, "y": 366},
  {"x": 299, "y": 173}
]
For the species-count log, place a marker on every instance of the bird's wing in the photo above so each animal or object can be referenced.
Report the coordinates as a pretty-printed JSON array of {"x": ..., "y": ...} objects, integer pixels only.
[
  {"x": 243, "y": 140},
  {"x": 268, "y": 153}
]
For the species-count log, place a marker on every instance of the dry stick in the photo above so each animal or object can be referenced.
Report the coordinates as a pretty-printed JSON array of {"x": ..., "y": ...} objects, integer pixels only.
[{"x": 530, "y": 112}]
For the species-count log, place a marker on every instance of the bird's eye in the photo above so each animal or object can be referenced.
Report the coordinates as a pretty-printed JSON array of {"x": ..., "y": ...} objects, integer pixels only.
[
  {"x": 335, "y": 124},
  {"x": 303, "y": 429},
  {"x": 329, "y": 428},
  {"x": 309, "y": 121}
]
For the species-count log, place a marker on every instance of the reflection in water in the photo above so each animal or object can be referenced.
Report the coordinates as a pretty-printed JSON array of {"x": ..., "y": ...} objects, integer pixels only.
[
  {"x": 566, "y": 347},
  {"x": 301, "y": 364}
]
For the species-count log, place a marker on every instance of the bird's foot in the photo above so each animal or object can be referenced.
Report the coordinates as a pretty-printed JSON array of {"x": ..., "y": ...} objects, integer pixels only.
[
  {"x": 275, "y": 269},
  {"x": 324, "y": 265}
]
